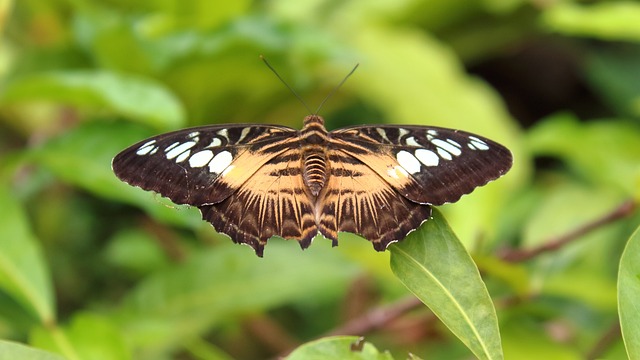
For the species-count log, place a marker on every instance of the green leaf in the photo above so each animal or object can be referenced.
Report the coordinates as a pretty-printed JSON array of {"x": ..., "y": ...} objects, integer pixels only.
[
  {"x": 153, "y": 42},
  {"x": 628, "y": 295},
  {"x": 10, "y": 350},
  {"x": 502, "y": 7},
  {"x": 338, "y": 347},
  {"x": 5, "y": 7},
  {"x": 82, "y": 157},
  {"x": 606, "y": 152},
  {"x": 135, "y": 251},
  {"x": 614, "y": 74},
  {"x": 565, "y": 205},
  {"x": 23, "y": 271},
  {"x": 435, "y": 266},
  {"x": 88, "y": 336},
  {"x": 614, "y": 20},
  {"x": 524, "y": 339},
  {"x": 515, "y": 275},
  {"x": 225, "y": 282},
  {"x": 204, "y": 349},
  {"x": 201, "y": 14},
  {"x": 130, "y": 96}
]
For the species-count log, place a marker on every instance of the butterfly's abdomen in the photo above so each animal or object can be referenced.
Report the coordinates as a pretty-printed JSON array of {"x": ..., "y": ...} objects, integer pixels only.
[
  {"x": 315, "y": 170},
  {"x": 314, "y": 140}
]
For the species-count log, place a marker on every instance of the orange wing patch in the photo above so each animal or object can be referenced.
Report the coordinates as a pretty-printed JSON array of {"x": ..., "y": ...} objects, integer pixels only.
[
  {"x": 237, "y": 173},
  {"x": 272, "y": 202},
  {"x": 357, "y": 200}
]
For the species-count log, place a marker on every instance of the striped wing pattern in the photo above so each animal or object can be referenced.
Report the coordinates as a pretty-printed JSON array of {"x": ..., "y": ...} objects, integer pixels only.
[
  {"x": 253, "y": 182},
  {"x": 202, "y": 165},
  {"x": 357, "y": 200},
  {"x": 272, "y": 202},
  {"x": 427, "y": 165}
]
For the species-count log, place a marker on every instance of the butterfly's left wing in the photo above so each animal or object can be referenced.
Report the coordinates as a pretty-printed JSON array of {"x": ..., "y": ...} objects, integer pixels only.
[
  {"x": 202, "y": 165},
  {"x": 274, "y": 201},
  {"x": 427, "y": 165}
]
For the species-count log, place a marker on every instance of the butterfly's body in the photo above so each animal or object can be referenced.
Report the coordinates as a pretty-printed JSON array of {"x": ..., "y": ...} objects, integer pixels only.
[
  {"x": 314, "y": 139},
  {"x": 254, "y": 181}
]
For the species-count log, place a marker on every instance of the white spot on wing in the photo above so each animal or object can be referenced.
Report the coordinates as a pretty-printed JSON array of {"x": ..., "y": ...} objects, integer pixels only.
[
  {"x": 229, "y": 168},
  {"x": 397, "y": 172},
  {"x": 443, "y": 153},
  {"x": 446, "y": 146},
  {"x": 244, "y": 133},
  {"x": 182, "y": 157},
  {"x": 215, "y": 142},
  {"x": 480, "y": 145},
  {"x": 454, "y": 143},
  {"x": 194, "y": 134},
  {"x": 177, "y": 150},
  {"x": 146, "y": 147},
  {"x": 411, "y": 141},
  {"x": 224, "y": 133},
  {"x": 383, "y": 134},
  {"x": 148, "y": 143},
  {"x": 427, "y": 157},
  {"x": 144, "y": 150},
  {"x": 220, "y": 162},
  {"x": 201, "y": 158},
  {"x": 408, "y": 162},
  {"x": 171, "y": 146},
  {"x": 402, "y": 132},
  {"x": 432, "y": 132}
]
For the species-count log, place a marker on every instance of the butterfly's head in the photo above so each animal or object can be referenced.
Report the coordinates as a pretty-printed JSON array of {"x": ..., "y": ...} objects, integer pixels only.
[{"x": 311, "y": 120}]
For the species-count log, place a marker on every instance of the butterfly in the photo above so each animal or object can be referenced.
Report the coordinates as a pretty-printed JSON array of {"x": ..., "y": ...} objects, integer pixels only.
[{"x": 254, "y": 181}]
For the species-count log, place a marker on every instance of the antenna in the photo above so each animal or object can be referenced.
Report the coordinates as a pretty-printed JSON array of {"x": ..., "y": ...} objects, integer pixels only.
[
  {"x": 285, "y": 83},
  {"x": 335, "y": 89}
]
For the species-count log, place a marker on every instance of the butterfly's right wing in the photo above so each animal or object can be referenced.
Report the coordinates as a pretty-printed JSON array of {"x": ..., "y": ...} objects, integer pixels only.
[
  {"x": 427, "y": 165},
  {"x": 202, "y": 165},
  {"x": 357, "y": 200}
]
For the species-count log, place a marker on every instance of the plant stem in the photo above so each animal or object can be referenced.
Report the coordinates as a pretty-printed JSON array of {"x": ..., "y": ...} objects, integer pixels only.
[{"x": 517, "y": 255}]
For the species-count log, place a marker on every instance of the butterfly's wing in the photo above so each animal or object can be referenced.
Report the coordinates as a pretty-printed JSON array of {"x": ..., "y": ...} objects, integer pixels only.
[
  {"x": 356, "y": 199},
  {"x": 273, "y": 201},
  {"x": 427, "y": 165},
  {"x": 245, "y": 179},
  {"x": 202, "y": 165}
]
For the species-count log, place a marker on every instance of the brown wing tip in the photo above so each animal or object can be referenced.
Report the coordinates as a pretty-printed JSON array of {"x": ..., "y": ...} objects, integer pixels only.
[
  {"x": 383, "y": 245},
  {"x": 305, "y": 242},
  {"x": 258, "y": 248},
  {"x": 255, "y": 245}
]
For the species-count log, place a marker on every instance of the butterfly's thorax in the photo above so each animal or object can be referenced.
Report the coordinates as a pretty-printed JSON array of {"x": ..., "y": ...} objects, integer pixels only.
[{"x": 314, "y": 139}]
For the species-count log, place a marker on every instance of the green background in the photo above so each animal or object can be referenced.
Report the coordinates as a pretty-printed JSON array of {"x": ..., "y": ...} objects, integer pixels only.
[{"x": 91, "y": 268}]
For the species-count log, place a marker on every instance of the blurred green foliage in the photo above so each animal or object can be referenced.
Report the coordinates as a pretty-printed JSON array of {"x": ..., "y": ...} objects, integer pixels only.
[{"x": 91, "y": 268}]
